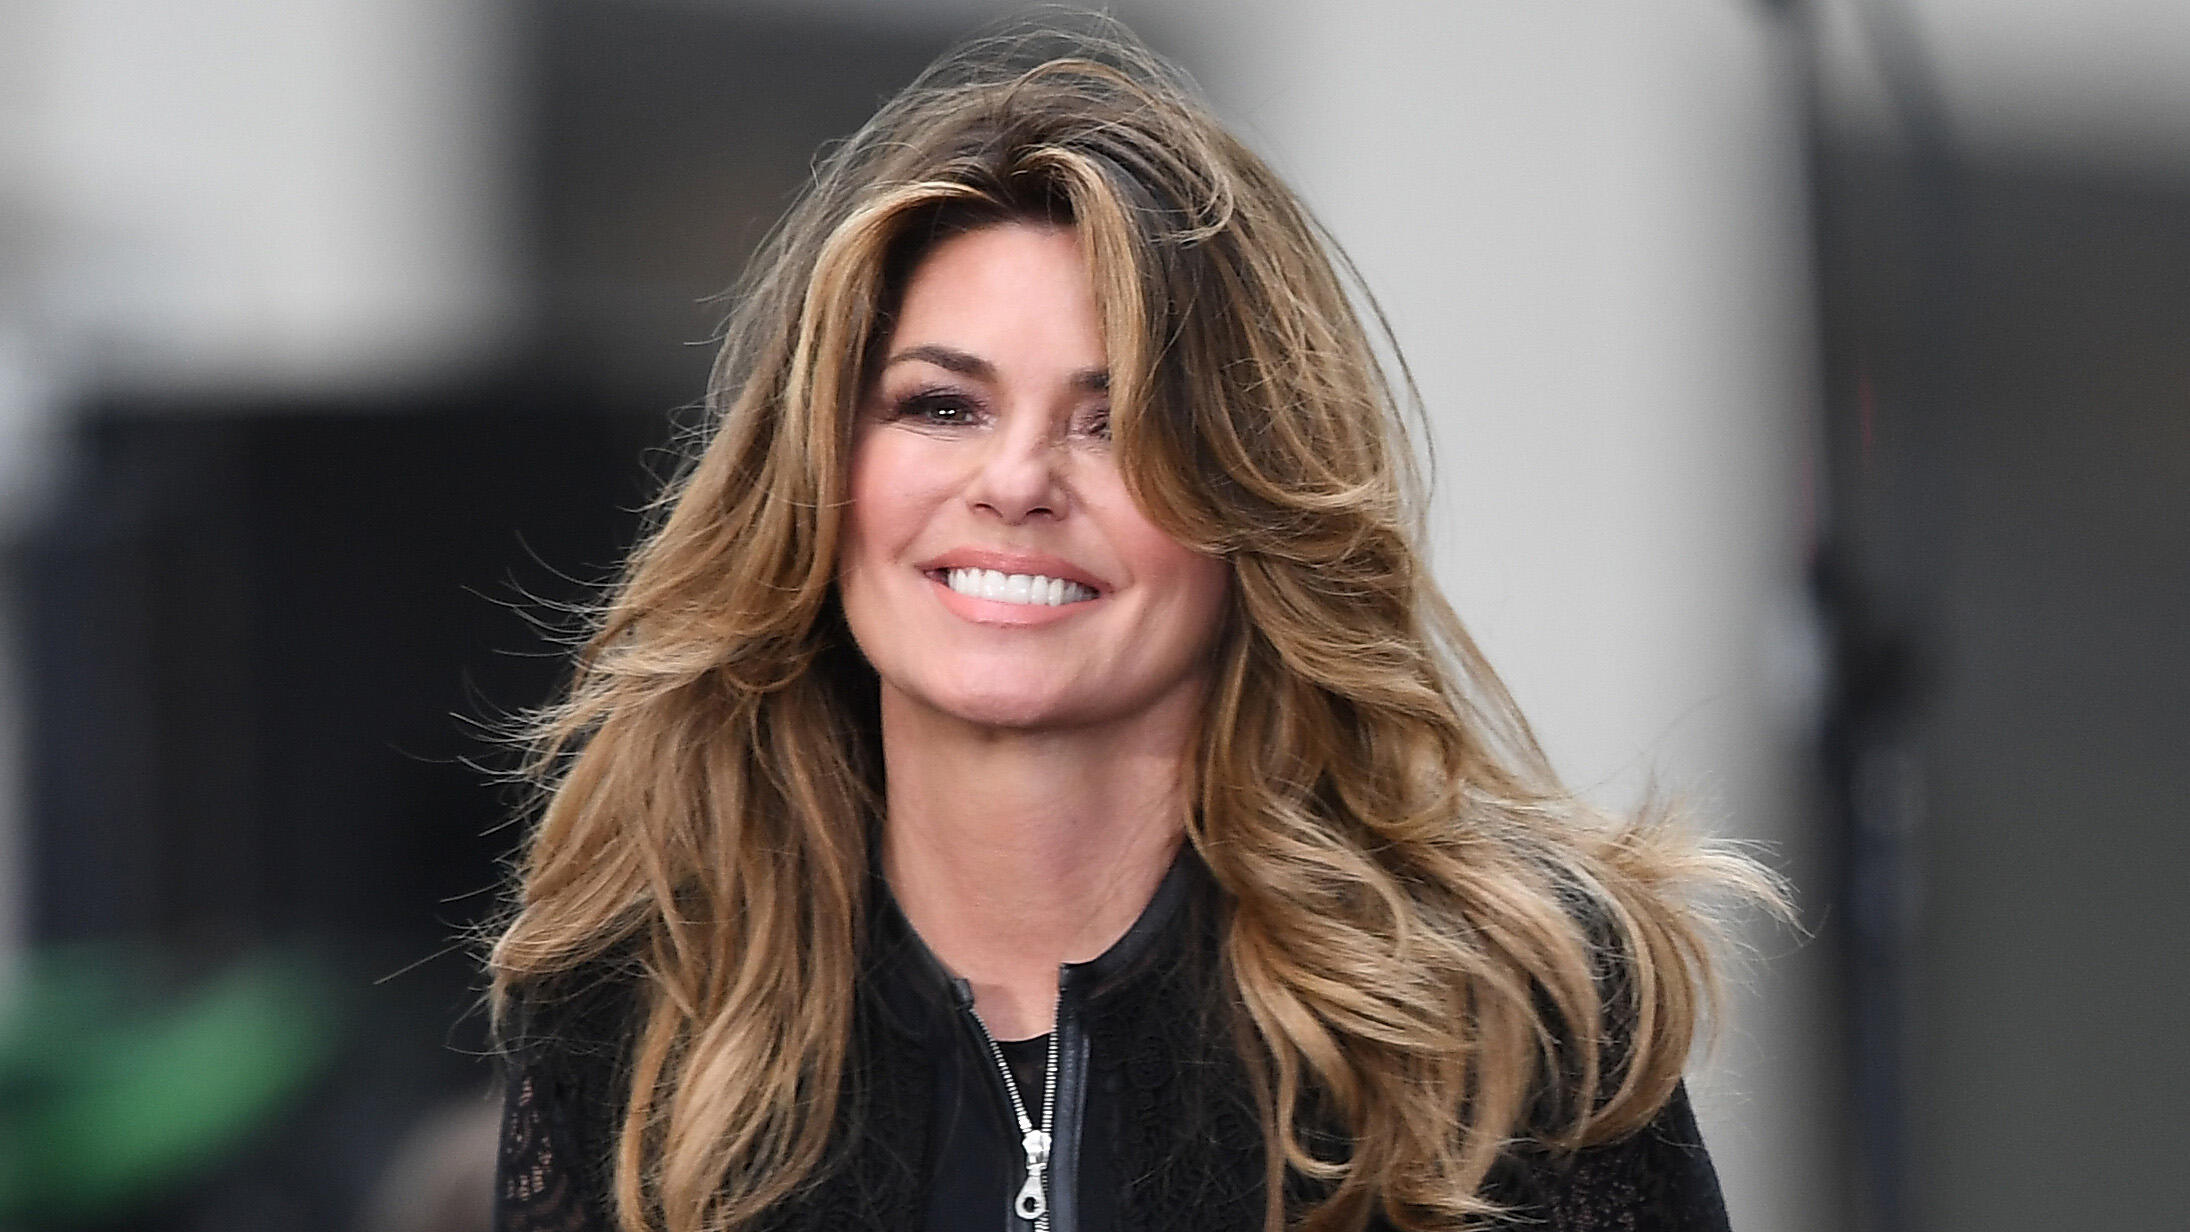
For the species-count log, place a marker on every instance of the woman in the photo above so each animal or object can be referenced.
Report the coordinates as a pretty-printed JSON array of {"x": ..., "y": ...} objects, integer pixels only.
[{"x": 1028, "y": 778}]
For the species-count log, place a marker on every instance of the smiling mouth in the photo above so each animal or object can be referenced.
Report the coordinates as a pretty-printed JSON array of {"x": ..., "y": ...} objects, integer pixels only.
[{"x": 1031, "y": 589}]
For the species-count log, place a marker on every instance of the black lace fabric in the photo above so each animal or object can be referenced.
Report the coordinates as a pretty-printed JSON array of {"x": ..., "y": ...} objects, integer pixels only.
[
  {"x": 564, "y": 1089},
  {"x": 564, "y": 1105},
  {"x": 1659, "y": 1179},
  {"x": 538, "y": 1188}
]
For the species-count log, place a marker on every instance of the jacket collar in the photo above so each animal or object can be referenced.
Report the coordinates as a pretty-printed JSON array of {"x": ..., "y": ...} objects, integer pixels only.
[{"x": 918, "y": 994}]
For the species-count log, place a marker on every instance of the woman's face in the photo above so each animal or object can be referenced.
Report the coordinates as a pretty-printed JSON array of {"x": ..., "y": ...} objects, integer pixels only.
[{"x": 994, "y": 569}]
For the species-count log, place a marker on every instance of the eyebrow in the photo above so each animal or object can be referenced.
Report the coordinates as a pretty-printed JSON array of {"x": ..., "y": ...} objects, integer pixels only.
[{"x": 951, "y": 359}]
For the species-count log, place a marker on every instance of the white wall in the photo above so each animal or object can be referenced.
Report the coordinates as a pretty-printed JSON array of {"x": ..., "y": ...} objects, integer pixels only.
[{"x": 252, "y": 194}]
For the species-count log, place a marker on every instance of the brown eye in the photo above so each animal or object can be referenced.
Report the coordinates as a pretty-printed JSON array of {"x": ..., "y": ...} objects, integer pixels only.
[{"x": 937, "y": 407}]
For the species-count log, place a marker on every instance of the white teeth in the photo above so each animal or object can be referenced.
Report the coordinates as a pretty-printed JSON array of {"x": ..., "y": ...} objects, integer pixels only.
[{"x": 1026, "y": 588}]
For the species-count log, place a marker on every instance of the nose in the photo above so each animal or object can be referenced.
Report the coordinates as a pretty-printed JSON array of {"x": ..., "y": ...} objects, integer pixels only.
[{"x": 1019, "y": 477}]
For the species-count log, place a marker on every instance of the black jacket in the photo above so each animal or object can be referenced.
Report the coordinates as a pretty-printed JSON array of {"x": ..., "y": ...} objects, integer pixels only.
[{"x": 1155, "y": 1125}]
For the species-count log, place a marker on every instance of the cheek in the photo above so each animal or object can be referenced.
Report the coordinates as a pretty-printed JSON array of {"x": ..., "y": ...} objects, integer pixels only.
[
  {"x": 881, "y": 505},
  {"x": 1195, "y": 587},
  {"x": 1208, "y": 584}
]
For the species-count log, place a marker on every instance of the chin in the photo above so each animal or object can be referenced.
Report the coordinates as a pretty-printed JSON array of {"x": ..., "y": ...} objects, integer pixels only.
[
  {"x": 1004, "y": 710},
  {"x": 1019, "y": 698}
]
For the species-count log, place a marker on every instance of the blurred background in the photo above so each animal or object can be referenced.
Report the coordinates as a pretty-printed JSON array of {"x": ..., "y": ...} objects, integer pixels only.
[{"x": 1810, "y": 384}]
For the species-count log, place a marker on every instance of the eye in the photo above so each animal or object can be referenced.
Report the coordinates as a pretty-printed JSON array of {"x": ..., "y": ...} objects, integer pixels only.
[
  {"x": 1094, "y": 422},
  {"x": 942, "y": 408}
]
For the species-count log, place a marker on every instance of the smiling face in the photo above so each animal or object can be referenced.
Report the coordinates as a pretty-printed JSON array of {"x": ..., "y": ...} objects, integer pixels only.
[{"x": 994, "y": 568}]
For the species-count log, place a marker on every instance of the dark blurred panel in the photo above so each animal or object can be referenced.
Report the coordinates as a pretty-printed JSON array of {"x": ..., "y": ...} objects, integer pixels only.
[
  {"x": 2008, "y": 363},
  {"x": 263, "y": 640}
]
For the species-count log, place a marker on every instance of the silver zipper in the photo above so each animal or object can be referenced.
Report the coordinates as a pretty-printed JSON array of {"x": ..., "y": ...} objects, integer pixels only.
[{"x": 1032, "y": 1204}]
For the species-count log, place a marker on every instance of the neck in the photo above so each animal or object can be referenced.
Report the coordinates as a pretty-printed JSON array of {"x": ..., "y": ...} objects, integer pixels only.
[{"x": 1014, "y": 852}]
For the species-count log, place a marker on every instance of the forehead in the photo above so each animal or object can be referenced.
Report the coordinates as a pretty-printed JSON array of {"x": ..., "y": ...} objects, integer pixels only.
[{"x": 1010, "y": 291}]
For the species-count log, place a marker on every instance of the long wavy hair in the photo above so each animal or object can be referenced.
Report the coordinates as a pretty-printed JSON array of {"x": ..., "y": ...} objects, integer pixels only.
[{"x": 1430, "y": 943}]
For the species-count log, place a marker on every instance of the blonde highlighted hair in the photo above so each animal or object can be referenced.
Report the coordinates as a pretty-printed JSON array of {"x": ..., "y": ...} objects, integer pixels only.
[{"x": 1430, "y": 944}]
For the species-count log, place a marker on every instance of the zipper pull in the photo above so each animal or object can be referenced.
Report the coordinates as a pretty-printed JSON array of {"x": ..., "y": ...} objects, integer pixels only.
[{"x": 1032, "y": 1203}]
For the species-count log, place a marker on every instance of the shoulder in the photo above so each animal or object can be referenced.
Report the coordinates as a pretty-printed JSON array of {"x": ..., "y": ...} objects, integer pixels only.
[
  {"x": 585, "y": 1014},
  {"x": 1657, "y": 1179},
  {"x": 570, "y": 1036}
]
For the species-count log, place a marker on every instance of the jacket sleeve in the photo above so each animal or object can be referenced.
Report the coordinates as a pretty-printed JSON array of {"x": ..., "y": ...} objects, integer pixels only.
[
  {"x": 543, "y": 1180},
  {"x": 1658, "y": 1179},
  {"x": 564, "y": 1091}
]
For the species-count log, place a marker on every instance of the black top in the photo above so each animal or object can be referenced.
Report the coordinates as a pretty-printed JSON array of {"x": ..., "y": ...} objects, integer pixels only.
[
  {"x": 1029, "y": 1061},
  {"x": 1155, "y": 1122}
]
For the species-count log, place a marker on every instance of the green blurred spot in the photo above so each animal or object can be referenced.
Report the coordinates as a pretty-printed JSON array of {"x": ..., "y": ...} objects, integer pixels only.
[{"x": 111, "y": 1094}]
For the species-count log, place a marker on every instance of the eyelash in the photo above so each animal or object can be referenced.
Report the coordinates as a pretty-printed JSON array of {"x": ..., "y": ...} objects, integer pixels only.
[{"x": 928, "y": 406}]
